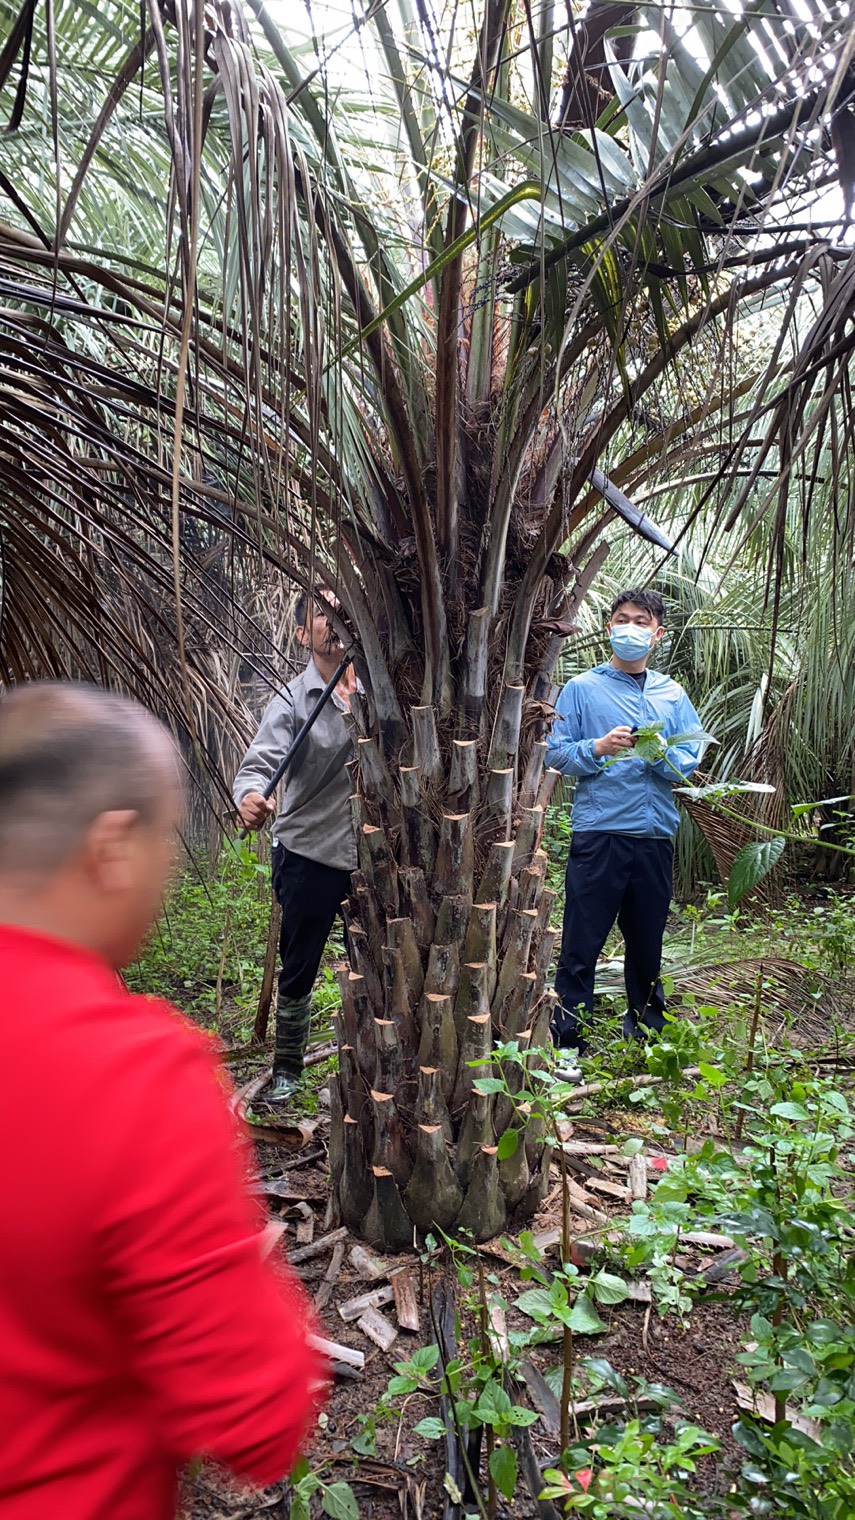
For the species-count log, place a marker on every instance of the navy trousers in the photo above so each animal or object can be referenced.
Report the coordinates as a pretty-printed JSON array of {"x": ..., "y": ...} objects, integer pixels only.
[
  {"x": 310, "y": 895},
  {"x": 612, "y": 877}
]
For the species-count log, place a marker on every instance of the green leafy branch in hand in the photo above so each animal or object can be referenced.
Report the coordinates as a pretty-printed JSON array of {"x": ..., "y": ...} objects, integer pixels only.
[{"x": 652, "y": 745}]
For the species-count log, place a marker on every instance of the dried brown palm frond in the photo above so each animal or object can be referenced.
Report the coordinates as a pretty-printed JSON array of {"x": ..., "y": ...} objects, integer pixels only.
[
  {"x": 787, "y": 983},
  {"x": 726, "y": 836},
  {"x": 799, "y": 1007},
  {"x": 797, "y": 1002}
]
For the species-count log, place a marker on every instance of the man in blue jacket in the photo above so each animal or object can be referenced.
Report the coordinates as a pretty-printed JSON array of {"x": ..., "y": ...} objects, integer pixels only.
[{"x": 624, "y": 818}]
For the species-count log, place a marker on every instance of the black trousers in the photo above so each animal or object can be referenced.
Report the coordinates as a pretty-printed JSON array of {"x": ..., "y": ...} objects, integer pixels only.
[
  {"x": 612, "y": 876},
  {"x": 310, "y": 895}
]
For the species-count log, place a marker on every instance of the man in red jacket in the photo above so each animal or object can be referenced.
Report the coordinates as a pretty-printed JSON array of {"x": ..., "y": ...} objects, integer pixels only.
[{"x": 139, "y": 1325}]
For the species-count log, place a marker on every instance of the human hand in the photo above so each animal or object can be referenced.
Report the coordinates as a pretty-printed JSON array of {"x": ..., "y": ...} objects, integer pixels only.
[
  {"x": 254, "y": 810},
  {"x": 614, "y": 741}
]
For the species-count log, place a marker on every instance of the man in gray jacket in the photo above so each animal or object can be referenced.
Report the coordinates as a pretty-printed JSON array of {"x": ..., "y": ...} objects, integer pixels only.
[{"x": 314, "y": 849}]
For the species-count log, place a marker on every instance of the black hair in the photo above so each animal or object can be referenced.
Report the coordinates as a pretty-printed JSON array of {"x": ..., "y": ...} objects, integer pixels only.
[
  {"x": 301, "y": 607},
  {"x": 651, "y": 601},
  {"x": 69, "y": 752}
]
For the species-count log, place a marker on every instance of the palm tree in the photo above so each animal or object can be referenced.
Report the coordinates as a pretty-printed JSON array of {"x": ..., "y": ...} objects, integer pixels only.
[{"x": 405, "y": 319}]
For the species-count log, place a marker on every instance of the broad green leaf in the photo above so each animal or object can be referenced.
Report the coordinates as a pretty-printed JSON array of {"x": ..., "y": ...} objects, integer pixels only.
[
  {"x": 798, "y": 809},
  {"x": 432, "y": 1428},
  {"x": 423, "y": 1360},
  {"x": 494, "y": 1406},
  {"x": 584, "y": 1319},
  {"x": 488, "y": 1085},
  {"x": 794, "y": 1111},
  {"x": 754, "y": 861},
  {"x": 536, "y": 1303},
  {"x": 608, "y": 1289},
  {"x": 339, "y": 1502},
  {"x": 521, "y": 1416},
  {"x": 503, "y": 1470},
  {"x": 602, "y": 1369},
  {"x": 508, "y": 1144},
  {"x": 712, "y": 1074}
]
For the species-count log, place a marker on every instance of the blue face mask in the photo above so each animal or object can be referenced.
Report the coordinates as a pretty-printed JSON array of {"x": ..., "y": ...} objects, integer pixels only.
[{"x": 630, "y": 642}]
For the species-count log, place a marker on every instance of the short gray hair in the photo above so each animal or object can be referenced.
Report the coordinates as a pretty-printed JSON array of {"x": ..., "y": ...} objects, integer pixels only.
[{"x": 69, "y": 752}]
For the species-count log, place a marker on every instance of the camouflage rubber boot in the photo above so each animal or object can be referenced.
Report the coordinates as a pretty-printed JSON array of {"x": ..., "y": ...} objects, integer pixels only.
[{"x": 293, "y": 1016}]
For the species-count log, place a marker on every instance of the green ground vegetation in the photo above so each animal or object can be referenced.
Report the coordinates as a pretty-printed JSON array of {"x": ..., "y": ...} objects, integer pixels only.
[{"x": 760, "y": 1129}]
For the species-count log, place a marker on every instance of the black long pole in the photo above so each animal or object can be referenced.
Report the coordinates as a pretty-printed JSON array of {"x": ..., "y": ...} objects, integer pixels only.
[{"x": 303, "y": 734}]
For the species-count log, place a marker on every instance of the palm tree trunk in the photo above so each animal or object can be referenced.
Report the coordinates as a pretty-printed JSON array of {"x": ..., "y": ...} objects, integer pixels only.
[{"x": 449, "y": 922}]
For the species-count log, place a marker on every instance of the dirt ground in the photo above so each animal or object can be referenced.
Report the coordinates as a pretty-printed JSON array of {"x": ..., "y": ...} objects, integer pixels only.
[{"x": 406, "y": 1478}]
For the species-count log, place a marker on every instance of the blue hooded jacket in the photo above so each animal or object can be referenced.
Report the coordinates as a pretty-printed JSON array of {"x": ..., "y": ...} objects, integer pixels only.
[{"x": 631, "y": 796}]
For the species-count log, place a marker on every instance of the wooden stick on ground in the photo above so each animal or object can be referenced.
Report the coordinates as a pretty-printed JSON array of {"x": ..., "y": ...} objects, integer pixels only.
[
  {"x": 271, "y": 954},
  {"x": 337, "y": 1353},
  {"x": 406, "y": 1303},
  {"x": 318, "y": 1247},
  {"x": 324, "y": 1293},
  {"x": 645, "y": 1080},
  {"x": 375, "y": 1298},
  {"x": 638, "y": 1177}
]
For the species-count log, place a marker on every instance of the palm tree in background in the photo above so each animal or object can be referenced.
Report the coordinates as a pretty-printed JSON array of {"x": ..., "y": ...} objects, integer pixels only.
[{"x": 414, "y": 330}]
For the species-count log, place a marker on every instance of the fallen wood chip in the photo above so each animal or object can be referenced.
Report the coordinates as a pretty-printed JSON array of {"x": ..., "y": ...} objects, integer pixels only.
[
  {"x": 286, "y": 1133},
  {"x": 640, "y": 1292},
  {"x": 318, "y": 1247},
  {"x": 337, "y": 1353},
  {"x": 352, "y": 1308},
  {"x": 497, "y": 1249},
  {"x": 377, "y": 1328},
  {"x": 497, "y": 1330},
  {"x": 581, "y": 1249},
  {"x": 609, "y": 1189},
  {"x": 592, "y": 1148},
  {"x": 544, "y": 1239},
  {"x": 324, "y": 1293},
  {"x": 406, "y": 1302},
  {"x": 727, "y": 1263},
  {"x": 583, "y": 1203},
  {"x": 529, "y": 1466},
  {"x": 703, "y": 1238},
  {"x": 638, "y": 1177},
  {"x": 306, "y": 1230},
  {"x": 585, "y": 1409},
  {"x": 581, "y": 1168},
  {"x": 366, "y": 1264},
  {"x": 542, "y": 1397},
  {"x": 754, "y": 1401}
]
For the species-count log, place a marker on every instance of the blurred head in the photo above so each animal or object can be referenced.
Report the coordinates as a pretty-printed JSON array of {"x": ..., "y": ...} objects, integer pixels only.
[
  {"x": 314, "y": 629},
  {"x": 90, "y": 801}
]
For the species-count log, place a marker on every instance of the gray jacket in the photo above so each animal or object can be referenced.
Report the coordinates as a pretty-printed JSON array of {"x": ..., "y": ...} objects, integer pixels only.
[{"x": 314, "y": 799}]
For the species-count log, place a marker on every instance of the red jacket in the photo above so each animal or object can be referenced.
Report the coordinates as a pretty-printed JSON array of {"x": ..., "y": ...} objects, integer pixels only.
[{"x": 138, "y": 1324}]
